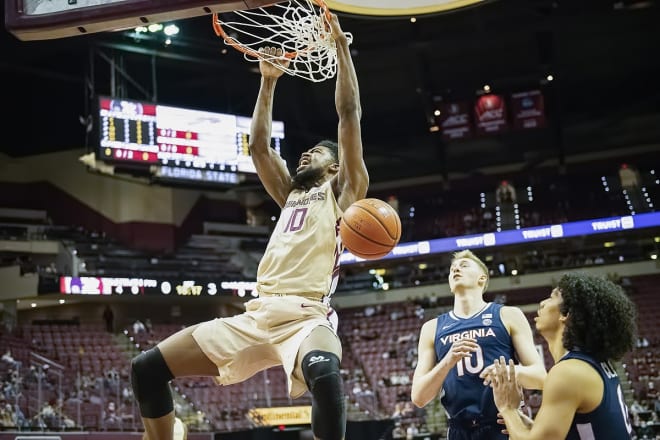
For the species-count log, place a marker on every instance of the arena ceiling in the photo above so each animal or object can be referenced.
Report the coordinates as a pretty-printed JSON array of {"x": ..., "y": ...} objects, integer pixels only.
[{"x": 603, "y": 56}]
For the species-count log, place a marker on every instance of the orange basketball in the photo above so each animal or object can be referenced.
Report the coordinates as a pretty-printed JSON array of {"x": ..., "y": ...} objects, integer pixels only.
[{"x": 370, "y": 228}]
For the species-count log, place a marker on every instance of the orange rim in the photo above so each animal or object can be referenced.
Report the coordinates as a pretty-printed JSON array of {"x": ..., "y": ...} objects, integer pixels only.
[{"x": 220, "y": 32}]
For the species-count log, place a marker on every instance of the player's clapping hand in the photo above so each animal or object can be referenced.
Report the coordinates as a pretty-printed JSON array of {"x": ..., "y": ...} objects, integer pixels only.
[
  {"x": 507, "y": 392},
  {"x": 487, "y": 374},
  {"x": 272, "y": 62},
  {"x": 461, "y": 349},
  {"x": 526, "y": 420}
]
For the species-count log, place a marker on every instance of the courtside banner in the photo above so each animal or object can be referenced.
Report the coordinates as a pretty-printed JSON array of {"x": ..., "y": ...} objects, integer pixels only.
[
  {"x": 284, "y": 415},
  {"x": 247, "y": 288},
  {"x": 528, "y": 109},
  {"x": 455, "y": 121},
  {"x": 490, "y": 115},
  {"x": 517, "y": 236}
]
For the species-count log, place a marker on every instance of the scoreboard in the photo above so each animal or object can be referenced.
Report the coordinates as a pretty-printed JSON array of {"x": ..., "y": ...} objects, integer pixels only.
[{"x": 178, "y": 143}]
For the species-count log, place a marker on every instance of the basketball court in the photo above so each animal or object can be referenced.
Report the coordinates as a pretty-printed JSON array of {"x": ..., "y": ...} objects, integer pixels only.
[{"x": 299, "y": 28}]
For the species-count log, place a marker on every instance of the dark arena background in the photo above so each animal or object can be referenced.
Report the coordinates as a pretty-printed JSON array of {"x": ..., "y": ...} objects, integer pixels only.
[{"x": 527, "y": 131}]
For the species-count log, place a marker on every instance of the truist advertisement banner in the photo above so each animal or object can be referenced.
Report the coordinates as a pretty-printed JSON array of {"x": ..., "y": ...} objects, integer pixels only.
[
  {"x": 517, "y": 236},
  {"x": 490, "y": 115},
  {"x": 528, "y": 110},
  {"x": 455, "y": 122}
]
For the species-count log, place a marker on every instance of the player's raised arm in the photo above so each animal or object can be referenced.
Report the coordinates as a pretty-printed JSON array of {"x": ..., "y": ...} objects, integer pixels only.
[
  {"x": 352, "y": 179},
  {"x": 530, "y": 371},
  {"x": 270, "y": 167}
]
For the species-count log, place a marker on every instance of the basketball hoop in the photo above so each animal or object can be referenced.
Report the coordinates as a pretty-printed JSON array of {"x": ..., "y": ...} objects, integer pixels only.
[{"x": 299, "y": 28}]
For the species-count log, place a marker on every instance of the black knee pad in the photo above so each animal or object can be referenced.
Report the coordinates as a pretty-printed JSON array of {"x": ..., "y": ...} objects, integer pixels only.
[
  {"x": 321, "y": 372},
  {"x": 150, "y": 378}
]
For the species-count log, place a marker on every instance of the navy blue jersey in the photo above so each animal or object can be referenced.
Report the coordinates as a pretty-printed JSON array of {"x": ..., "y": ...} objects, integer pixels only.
[
  {"x": 464, "y": 395},
  {"x": 610, "y": 419}
]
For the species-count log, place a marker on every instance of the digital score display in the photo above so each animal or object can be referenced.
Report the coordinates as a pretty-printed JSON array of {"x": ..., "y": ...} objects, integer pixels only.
[
  {"x": 158, "y": 287},
  {"x": 180, "y": 144}
]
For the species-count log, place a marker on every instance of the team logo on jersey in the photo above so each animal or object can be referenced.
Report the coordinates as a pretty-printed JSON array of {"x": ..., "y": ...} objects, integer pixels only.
[
  {"x": 316, "y": 359},
  {"x": 474, "y": 333},
  {"x": 486, "y": 318}
]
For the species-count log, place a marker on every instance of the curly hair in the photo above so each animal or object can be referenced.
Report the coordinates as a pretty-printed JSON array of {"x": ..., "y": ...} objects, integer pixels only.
[
  {"x": 601, "y": 317},
  {"x": 332, "y": 146}
]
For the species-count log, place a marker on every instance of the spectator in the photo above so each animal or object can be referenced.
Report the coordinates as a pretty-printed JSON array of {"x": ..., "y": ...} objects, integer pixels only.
[
  {"x": 651, "y": 392},
  {"x": 138, "y": 327},
  {"x": 148, "y": 326},
  {"x": 534, "y": 401},
  {"x": 109, "y": 318},
  {"x": 411, "y": 431},
  {"x": 7, "y": 357},
  {"x": 393, "y": 201},
  {"x": 127, "y": 394},
  {"x": 629, "y": 177},
  {"x": 635, "y": 409},
  {"x": 408, "y": 409},
  {"x": 646, "y": 431},
  {"x": 17, "y": 417},
  {"x": 112, "y": 419},
  {"x": 366, "y": 391},
  {"x": 6, "y": 416},
  {"x": 505, "y": 193},
  {"x": 398, "y": 411},
  {"x": 398, "y": 432},
  {"x": 47, "y": 417}
]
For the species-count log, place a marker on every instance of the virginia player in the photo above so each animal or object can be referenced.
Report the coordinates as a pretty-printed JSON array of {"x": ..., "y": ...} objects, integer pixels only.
[
  {"x": 587, "y": 322},
  {"x": 457, "y": 350}
]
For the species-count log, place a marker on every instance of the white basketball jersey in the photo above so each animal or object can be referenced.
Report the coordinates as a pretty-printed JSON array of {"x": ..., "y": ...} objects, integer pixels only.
[{"x": 302, "y": 256}]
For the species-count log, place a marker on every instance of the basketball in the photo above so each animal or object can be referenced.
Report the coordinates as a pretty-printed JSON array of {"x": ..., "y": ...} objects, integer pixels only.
[{"x": 370, "y": 228}]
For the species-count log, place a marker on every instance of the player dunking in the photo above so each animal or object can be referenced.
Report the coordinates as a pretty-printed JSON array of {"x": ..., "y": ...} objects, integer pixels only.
[
  {"x": 457, "y": 349},
  {"x": 587, "y": 322},
  {"x": 287, "y": 325}
]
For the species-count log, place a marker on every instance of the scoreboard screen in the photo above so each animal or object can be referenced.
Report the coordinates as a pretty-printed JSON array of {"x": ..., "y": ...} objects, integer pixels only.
[{"x": 178, "y": 143}]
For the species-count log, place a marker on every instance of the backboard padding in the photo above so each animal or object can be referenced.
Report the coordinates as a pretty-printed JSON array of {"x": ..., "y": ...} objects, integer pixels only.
[{"x": 50, "y": 19}]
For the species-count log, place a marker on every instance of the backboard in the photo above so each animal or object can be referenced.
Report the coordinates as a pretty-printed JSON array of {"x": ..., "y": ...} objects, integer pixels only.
[{"x": 50, "y": 19}]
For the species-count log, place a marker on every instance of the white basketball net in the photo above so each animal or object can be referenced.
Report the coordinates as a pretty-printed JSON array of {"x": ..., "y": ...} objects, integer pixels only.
[{"x": 296, "y": 26}]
